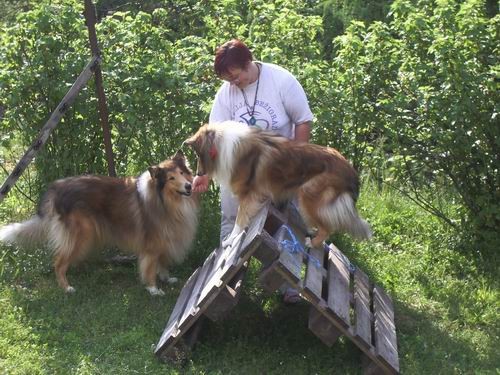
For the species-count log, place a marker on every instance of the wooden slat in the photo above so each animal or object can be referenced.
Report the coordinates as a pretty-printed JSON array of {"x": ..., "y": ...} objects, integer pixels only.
[
  {"x": 220, "y": 261},
  {"x": 275, "y": 219},
  {"x": 51, "y": 123},
  {"x": 214, "y": 279},
  {"x": 228, "y": 296},
  {"x": 270, "y": 279},
  {"x": 314, "y": 275},
  {"x": 295, "y": 219},
  {"x": 322, "y": 327},
  {"x": 192, "y": 302},
  {"x": 268, "y": 250},
  {"x": 235, "y": 260},
  {"x": 290, "y": 261},
  {"x": 171, "y": 327},
  {"x": 247, "y": 244},
  {"x": 385, "y": 330},
  {"x": 362, "y": 328},
  {"x": 338, "y": 287},
  {"x": 181, "y": 303},
  {"x": 254, "y": 229}
]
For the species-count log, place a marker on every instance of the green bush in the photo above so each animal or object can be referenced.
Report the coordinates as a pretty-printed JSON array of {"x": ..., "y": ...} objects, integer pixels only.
[
  {"x": 424, "y": 87},
  {"x": 413, "y": 101}
]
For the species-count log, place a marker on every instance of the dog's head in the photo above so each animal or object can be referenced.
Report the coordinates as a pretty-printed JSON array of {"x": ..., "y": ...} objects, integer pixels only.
[
  {"x": 172, "y": 177},
  {"x": 203, "y": 142}
]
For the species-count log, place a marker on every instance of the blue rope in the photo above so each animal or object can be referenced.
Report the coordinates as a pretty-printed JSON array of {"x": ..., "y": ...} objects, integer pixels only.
[{"x": 293, "y": 246}]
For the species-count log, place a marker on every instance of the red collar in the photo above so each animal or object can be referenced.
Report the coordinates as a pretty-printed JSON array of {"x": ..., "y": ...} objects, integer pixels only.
[{"x": 212, "y": 152}]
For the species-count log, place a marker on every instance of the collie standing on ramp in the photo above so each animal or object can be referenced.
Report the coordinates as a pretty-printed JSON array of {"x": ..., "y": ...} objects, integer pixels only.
[
  {"x": 154, "y": 216},
  {"x": 257, "y": 165},
  {"x": 257, "y": 94}
]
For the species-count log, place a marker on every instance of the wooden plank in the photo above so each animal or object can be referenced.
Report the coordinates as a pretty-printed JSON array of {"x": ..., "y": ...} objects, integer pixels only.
[
  {"x": 254, "y": 230},
  {"x": 181, "y": 350},
  {"x": 338, "y": 287},
  {"x": 51, "y": 123},
  {"x": 171, "y": 327},
  {"x": 221, "y": 258},
  {"x": 268, "y": 250},
  {"x": 248, "y": 243},
  {"x": 192, "y": 302},
  {"x": 214, "y": 281},
  {"x": 275, "y": 219},
  {"x": 236, "y": 260},
  {"x": 270, "y": 278},
  {"x": 295, "y": 219},
  {"x": 322, "y": 327},
  {"x": 385, "y": 330},
  {"x": 181, "y": 303},
  {"x": 228, "y": 297},
  {"x": 314, "y": 275},
  {"x": 362, "y": 328},
  {"x": 290, "y": 260},
  {"x": 210, "y": 282},
  {"x": 372, "y": 368}
]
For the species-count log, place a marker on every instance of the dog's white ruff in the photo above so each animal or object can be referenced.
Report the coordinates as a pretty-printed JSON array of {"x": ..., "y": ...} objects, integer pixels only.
[{"x": 228, "y": 136}]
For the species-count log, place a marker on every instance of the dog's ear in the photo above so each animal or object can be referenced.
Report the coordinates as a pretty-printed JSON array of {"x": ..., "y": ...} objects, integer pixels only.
[
  {"x": 194, "y": 142},
  {"x": 198, "y": 140},
  {"x": 154, "y": 171},
  {"x": 181, "y": 161},
  {"x": 179, "y": 156},
  {"x": 211, "y": 137}
]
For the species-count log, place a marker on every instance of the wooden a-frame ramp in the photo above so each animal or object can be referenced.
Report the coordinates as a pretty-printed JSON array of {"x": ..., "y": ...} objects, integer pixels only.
[{"x": 342, "y": 299}]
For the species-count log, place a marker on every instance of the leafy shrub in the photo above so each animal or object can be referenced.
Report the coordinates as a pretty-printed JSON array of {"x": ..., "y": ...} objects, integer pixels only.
[
  {"x": 413, "y": 101},
  {"x": 424, "y": 86}
]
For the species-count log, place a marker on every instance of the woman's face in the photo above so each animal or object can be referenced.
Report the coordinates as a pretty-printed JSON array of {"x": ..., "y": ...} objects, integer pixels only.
[{"x": 240, "y": 77}]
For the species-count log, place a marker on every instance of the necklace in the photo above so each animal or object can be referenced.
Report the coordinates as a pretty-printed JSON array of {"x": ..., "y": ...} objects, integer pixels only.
[{"x": 251, "y": 112}]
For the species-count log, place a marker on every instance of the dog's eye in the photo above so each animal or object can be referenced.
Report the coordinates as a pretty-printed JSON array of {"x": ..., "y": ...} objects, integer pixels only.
[
  {"x": 171, "y": 178},
  {"x": 182, "y": 173}
]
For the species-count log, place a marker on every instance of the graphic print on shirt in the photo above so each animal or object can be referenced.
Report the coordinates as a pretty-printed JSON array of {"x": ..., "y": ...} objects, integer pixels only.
[{"x": 265, "y": 116}]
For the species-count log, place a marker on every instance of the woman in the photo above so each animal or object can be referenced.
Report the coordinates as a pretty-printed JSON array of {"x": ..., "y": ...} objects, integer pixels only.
[{"x": 258, "y": 94}]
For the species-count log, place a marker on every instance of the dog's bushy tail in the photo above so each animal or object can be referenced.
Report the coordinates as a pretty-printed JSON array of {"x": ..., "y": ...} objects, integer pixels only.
[
  {"x": 27, "y": 234},
  {"x": 343, "y": 217}
]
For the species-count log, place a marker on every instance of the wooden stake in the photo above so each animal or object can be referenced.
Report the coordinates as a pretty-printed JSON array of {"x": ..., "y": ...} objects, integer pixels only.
[
  {"x": 90, "y": 20},
  {"x": 54, "y": 119}
]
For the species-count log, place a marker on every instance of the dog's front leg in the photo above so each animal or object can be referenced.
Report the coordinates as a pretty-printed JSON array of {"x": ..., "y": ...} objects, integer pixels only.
[{"x": 247, "y": 209}]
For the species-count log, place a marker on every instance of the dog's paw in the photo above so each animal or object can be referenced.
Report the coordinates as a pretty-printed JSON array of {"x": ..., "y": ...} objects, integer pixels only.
[
  {"x": 154, "y": 291},
  {"x": 164, "y": 276},
  {"x": 69, "y": 289},
  {"x": 308, "y": 242},
  {"x": 172, "y": 280},
  {"x": 227, "y": 242}
]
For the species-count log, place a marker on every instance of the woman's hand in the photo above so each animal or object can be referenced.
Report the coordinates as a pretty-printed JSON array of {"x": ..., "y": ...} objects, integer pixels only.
[{"x": 200, "y": 183}]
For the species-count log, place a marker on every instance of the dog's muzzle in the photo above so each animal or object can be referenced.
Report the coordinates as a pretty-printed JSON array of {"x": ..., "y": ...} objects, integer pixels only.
[{"x": 188, "y": 189}]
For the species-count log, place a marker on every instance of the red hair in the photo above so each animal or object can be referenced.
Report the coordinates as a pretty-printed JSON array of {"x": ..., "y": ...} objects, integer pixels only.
[{"x": 232, "y": 54}]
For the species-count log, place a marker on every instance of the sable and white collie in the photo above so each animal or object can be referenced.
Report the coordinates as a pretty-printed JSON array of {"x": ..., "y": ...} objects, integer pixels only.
[
  {"x": 154, "y": 216},
  {"x": 258, "y": 166}
]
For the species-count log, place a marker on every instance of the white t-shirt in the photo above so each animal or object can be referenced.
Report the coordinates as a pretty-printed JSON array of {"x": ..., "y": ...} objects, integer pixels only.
[{"x": 281, "y": 102}]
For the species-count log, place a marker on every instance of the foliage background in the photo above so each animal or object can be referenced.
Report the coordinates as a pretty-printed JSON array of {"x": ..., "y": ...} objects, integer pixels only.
[{"x": 409, "y": 95}]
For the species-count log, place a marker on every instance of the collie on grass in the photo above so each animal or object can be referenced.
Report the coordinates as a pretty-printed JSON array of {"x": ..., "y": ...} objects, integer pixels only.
[{"x": 154, "y": 216}]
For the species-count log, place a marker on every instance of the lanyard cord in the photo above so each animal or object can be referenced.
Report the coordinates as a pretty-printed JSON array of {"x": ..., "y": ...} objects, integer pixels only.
[{"x": 254, "y": 99}]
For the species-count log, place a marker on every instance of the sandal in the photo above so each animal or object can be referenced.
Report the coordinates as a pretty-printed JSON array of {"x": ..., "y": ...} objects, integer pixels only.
[{"x": 291, "y": 296}]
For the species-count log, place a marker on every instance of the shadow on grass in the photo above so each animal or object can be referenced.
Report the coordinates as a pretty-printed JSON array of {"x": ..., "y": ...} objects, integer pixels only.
[{"x": 110, "y": 323}]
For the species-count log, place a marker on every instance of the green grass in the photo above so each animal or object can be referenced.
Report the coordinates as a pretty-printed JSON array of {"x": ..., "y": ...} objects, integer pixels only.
[{"x": 446, "y": 307}]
